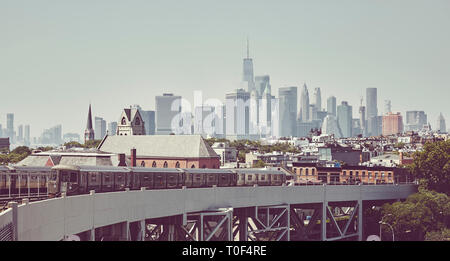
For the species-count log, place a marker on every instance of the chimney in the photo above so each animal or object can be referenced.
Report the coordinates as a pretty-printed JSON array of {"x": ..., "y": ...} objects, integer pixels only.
[
  {"x": 122, "y": 160},
  {"x": 133, "y": 157}
]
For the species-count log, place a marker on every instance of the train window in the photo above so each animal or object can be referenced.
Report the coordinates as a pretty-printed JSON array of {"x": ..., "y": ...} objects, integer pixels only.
[
  {"x": 146, "y": 177},
  {"x": 65, "y": 177},
  {"x": 119, "y": 177},
  {"x": 250, "y": 177},
  {"x": 263, "y": 177},
  {"x": 93, "y": 177},
  {"x": 73, "y": 177},
  {"x": 107, "y": 178}
]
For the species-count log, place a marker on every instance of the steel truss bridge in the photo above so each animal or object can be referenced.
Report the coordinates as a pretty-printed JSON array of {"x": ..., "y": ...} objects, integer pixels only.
[{"x": 287, "y": 213}]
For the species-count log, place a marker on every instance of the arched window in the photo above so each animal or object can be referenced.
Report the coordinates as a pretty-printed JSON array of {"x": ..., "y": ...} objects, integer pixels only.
[
  {"x": 204, "y": 167},
  {"x": 193, "y": 166},
  {"x": 177, "y": 165},
  {"x": 137, "y": 121},
  {"x": 124, "y": 121},
  {"x": 143, "y": 164},
  {"x": 165, "y": 164},
  {"x": 154, "y": 164}
]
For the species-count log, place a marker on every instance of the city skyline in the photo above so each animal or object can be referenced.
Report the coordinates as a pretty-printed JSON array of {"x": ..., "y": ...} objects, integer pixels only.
[{"x": 392, "y": 56}]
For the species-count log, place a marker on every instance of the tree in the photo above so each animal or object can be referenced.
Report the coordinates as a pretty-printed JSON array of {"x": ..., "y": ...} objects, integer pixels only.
[
  {"x": 92, "y": 143},
  {"x": 73, "y": 144},
  {"x": 433, "y": 166},
  {"x": 259, "y": 164},
  {"x": 443, "y": 235},
  {"x": 423, "y": 212}
]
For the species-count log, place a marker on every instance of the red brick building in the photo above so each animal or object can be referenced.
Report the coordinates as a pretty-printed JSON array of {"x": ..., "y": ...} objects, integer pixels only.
[
  {"x": 164, "y": 151},
  {"x": 392, "y": 124}
]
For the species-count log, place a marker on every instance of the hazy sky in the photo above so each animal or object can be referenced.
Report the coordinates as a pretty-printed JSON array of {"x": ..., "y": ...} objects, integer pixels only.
[{"x": 57, "y": 56}]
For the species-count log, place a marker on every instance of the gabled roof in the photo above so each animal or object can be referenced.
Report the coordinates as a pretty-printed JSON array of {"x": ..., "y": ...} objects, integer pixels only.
[{"x": 170, "y": 146}]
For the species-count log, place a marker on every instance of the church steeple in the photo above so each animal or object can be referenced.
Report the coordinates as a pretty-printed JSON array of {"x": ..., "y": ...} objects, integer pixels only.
[{"x": 89, "y": 132}]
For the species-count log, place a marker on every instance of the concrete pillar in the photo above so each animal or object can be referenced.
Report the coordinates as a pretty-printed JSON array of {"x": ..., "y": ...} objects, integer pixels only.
[
  {"x": 360, "y": 220},
  {"x": 92, "y": 234},
  {"x": 171, "y": 234},
  {"x": 324, "y": 220},
  {"x": 142, "y": 222},
  {"x": 125, "y": 231},
  {"x": 15, "y": 235},
  {"x": 243, "y": 224}
]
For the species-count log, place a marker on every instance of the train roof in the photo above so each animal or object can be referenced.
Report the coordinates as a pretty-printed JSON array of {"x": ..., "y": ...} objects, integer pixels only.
[
  {"x": 143, "y": 169},
  {"x": 91, "y": 168},
  {"x": 207, "y": 170},
  {"x": 259, "y": 171},
  {"x": 32, "y": 168}
]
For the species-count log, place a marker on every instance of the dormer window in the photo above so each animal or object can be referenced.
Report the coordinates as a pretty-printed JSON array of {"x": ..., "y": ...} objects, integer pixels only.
[{"x": 124, "y": 121}]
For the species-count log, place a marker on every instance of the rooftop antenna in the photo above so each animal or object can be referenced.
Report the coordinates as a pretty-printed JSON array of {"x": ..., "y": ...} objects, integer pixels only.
[{"x": 248, "y": 52}]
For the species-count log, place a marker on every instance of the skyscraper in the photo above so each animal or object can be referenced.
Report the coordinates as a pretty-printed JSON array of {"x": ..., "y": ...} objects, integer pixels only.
[
  {"x": 167, "y": 107},
  {"x": 387, "y": 106},
  {"x": 317, "y": 99},
  {"x": 441, "y": 124},
  {"x": 248, "y": 71},
  {"x": 415, "y": 120},
  {"x": 89, "y": 132},
  {"x": 303, "y": 115},
  {"x": 100, "y": 128},
  {"x": 288, "y": 111},
  {"x": 237, "y": 114},
  {"x": 20, "y": 133},
  {"x": 331, "y": 105},
  {"x": 392, "y": 123},
  {"x": 10, "y": 127},
  {"x": 112, "y": 128},
  {"x": 344, "y": 118},
  {"x": 372, "y": 112},
  {"x": 27, "y": 139}
]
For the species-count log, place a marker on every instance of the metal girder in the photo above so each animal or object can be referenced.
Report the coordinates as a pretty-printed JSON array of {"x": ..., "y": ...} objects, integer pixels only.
[
  {"x": 263, "y": 223},
  {"x": 342, "y": 232}
]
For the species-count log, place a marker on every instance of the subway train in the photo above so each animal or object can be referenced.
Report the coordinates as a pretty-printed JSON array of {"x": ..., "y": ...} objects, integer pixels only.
[{"x": 17, "y": 181}]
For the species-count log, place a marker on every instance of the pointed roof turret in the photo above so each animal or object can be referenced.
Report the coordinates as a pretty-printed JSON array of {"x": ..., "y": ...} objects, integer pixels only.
[{"x": 89, "y": 119}]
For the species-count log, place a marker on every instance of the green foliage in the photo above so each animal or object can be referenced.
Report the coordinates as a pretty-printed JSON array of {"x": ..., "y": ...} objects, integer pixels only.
[
  {"x": 211, "y": 141},
  {"x": 15, "y": 155},
  {"x": 73, "y": 144},
  {"x": 399, "y": 145},
  {"x": 92, "y": 143},
  {"x": 442, "y": 235},
  {"x": 47, "y": 148},
  {"x": 433, "y": 166},
  {"x": 259, "y": 164},
  {"x": 422, "y": 212}
]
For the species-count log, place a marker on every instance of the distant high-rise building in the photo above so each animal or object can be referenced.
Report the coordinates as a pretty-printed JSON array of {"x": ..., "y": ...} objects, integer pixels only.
[
  {"x": 387, "y": 106},
  {"x": 10, "y": 127},
  {"x": 27, "y": 138},
  {"x": 288, "y": 111},
  {"x": 248, "y": 71},
  {"x": 441, "y": 124},
  {"x": 167, "y": 107},
  {"x": 89, "y": 132},
  {"x": 262, "y": 84},
  {"x": 317, "y": 99},
  {"x": 1, "y": 131},
  {"x": 415, "y": 120},
  {"x": 392, "y": 124},
  {"x": 52, "y": 136},
  {"x": 112, "y": 128},
  {"x": 304, "y": 105},
  {"x": 100, "y": 128},
  {"x": 331, "y": 105},
  {"x": 68, "y": 137},
  {"x": 344, "y": 118},
  {"x": 372, "y": 112},
  {"x": 237, "y": 114},
  {"x": 20, "y": 133},
  {"x": 362, "y": 120},
  {"x": 331, "y": 126}
]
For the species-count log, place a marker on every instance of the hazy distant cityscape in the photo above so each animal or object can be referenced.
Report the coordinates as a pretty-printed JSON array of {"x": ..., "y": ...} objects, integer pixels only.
[{"x": 246, "y": 109}]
